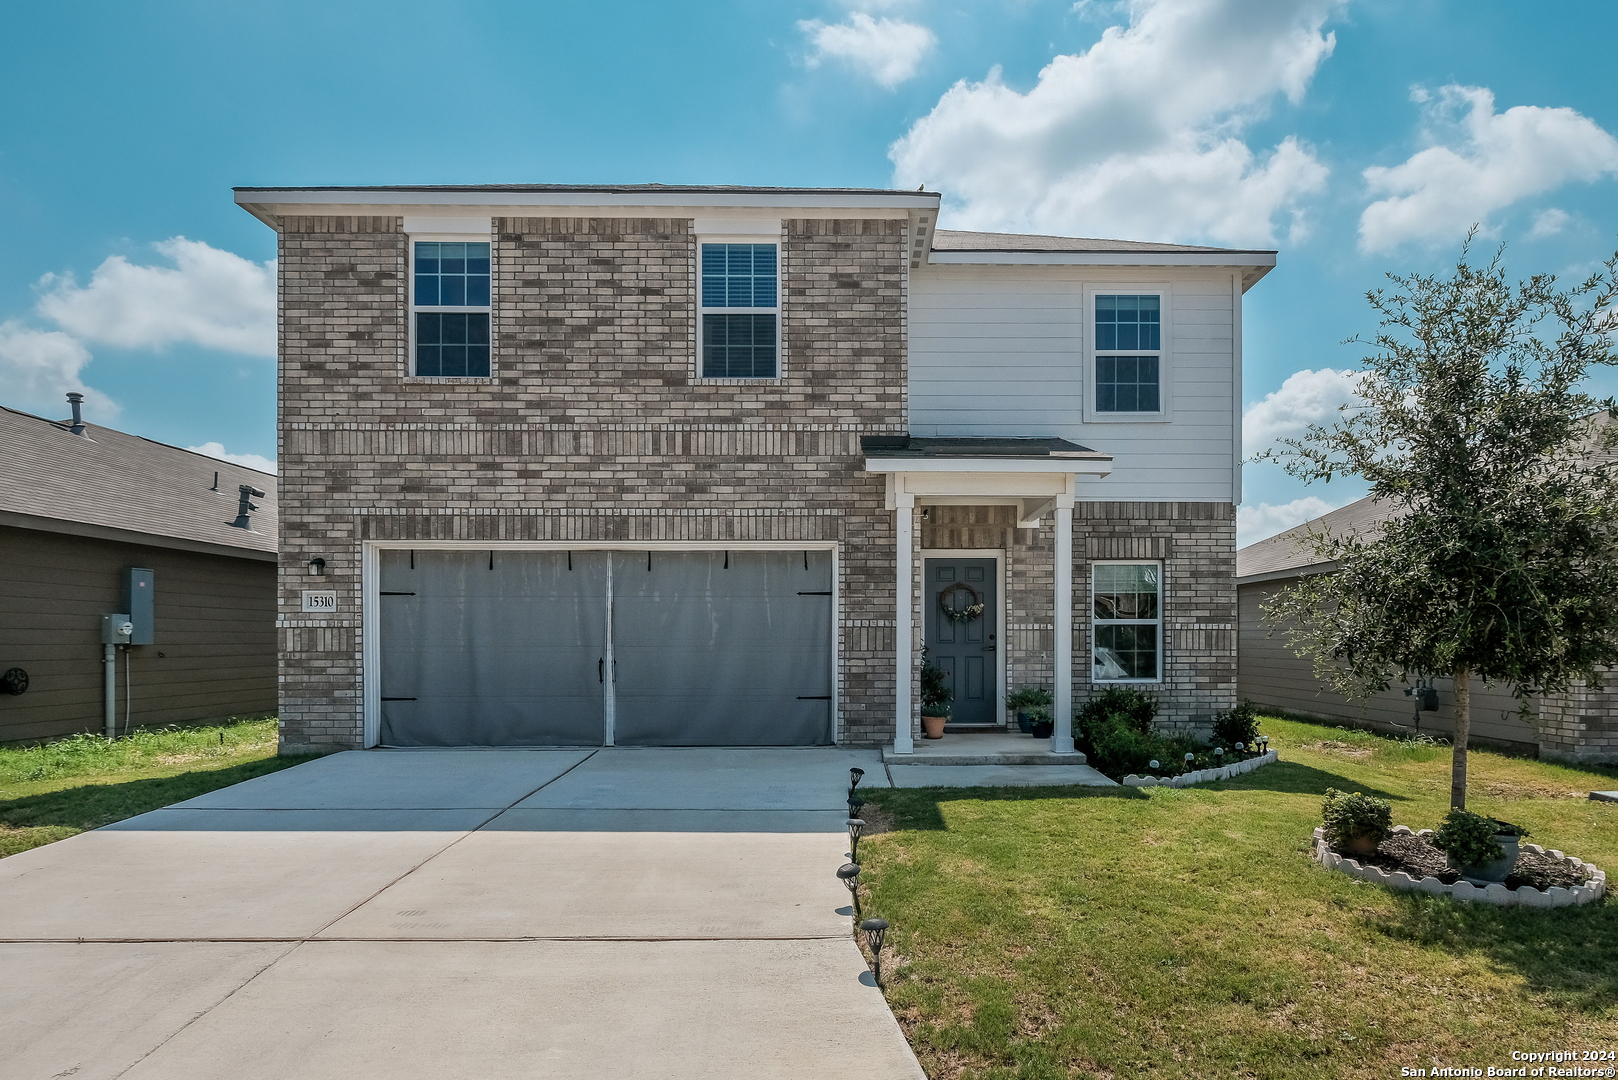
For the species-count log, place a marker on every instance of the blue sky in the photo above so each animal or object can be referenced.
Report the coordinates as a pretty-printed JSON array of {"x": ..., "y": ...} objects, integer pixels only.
[{"x": 1356, "y": 137}]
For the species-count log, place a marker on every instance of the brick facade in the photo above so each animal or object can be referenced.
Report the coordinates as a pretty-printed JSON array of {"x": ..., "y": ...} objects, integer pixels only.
[{"x": 593, "y": 426}]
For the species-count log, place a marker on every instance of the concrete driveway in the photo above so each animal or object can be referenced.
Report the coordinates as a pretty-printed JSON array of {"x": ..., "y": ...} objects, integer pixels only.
[{"x": 445, "y": 914}]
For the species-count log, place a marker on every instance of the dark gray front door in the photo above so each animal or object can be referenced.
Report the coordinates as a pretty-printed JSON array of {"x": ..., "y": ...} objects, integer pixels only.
[{"x": 964, "y": 646}]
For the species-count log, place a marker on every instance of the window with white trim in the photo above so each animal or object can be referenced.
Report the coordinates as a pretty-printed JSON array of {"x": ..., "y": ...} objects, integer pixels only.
[
  {"x": 739, "y": 310},
  {"x": 1126, "y": 622},
  {"x": 449, "y": 308},
  {"x": 1128, "y": 353}
]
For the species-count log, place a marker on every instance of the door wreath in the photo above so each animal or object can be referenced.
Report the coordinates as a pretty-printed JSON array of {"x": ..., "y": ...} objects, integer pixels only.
[{"x": 950, "y": 603}]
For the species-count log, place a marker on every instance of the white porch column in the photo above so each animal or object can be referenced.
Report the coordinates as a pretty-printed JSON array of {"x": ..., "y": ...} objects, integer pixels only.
[
  {"x": 1062, "y": 739},
  {"x": 904, "y": 584}
]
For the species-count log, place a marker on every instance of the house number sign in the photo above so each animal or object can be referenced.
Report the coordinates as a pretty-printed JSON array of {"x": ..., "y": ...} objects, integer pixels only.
[{"x": 319, "y": 601}]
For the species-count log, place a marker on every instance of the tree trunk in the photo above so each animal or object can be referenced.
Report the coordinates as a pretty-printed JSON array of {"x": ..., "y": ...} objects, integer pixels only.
[{"x": 1463, "y": 725}]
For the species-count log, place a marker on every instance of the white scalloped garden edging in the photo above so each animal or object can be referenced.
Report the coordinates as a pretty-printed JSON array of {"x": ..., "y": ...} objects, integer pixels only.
[
  {"x": 1224, "y": 772},
  {"x": 1494, "y": 893}
]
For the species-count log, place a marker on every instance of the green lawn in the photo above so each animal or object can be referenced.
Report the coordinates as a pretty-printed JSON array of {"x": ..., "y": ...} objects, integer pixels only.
[
  {"x": 1053, "y": 932},
  {"x": 53, "y": 791}
]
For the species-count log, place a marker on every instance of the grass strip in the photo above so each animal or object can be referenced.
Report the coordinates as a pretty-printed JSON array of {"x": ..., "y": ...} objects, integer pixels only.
[{"x": 56, "y": 790}]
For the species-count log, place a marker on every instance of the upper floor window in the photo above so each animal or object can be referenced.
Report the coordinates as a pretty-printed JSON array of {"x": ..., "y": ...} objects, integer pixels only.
[
  {"x": 739, "y": 311},
  {"x": 1128, "y": 353},
  {"x": 450, "y": 308},
  {"x": 1127, "y": 621}
]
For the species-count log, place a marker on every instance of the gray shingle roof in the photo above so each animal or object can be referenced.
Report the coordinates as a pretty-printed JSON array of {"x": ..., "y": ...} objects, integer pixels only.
[
  {"x": 893, "y": 446},
  {"x": 114, "y": 480},
  {"x": 1288, "y": 554},
  {"x": 952, "y": 240}
]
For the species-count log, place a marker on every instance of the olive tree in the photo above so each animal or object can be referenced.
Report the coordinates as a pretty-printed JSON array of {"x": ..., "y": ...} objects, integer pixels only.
[{"x": 1475, "y": 429}]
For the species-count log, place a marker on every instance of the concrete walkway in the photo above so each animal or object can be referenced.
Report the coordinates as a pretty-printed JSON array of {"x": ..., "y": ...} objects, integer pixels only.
[{"x": 446, "y": 914}]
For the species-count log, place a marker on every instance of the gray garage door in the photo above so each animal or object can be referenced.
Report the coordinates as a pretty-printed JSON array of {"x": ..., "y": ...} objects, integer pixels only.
[{"x": 561, "y": 649}]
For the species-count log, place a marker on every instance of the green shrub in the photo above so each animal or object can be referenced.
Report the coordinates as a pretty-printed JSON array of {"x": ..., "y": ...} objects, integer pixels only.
[
  {"x": 1469, "y": 838},
  {"x": 1114, "y": 730},
  {"x": 1236, "y": 725},
  {"x": 1033, "y": 700},
  {"x": 1347, "y": 816},
  {"x": 935, "y": 693},
  {"x": 1118, "y": 705}
]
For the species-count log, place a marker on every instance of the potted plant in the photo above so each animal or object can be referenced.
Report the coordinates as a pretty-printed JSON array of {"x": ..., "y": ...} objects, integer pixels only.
[
  {"x": 1481, "y": 848},
  {"x": 935, "y": 698},
  {"x": 1356, "y": 823},
  {"x": 1031, "y": 704}
]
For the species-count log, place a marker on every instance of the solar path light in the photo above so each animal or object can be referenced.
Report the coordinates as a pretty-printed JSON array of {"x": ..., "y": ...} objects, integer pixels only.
[
  {"x": 856, "y": 829},
  {"x": 1190, "y": 760},
  {"x": 849, "y": 875},
  {"x": 875, "y": 931}
]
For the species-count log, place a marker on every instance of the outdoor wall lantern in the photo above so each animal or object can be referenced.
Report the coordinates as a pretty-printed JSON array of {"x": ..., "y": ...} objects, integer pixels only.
[
  {"x": 875, "y": 931},
  {"x": 856, "y": 829},
  {"x": 849, "y": 875},
  {"x": 317, "y": 567}
]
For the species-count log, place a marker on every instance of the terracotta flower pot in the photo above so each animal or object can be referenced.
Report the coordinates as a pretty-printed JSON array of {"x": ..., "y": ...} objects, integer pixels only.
[{"x": 933, "y": 726}]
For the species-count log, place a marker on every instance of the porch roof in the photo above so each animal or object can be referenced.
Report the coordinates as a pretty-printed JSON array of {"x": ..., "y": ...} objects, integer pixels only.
[{"x": 908, "y": 446}]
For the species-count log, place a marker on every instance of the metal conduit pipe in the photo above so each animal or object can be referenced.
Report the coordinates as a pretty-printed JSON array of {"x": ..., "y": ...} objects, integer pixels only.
[{"x": 109, "y": 663}]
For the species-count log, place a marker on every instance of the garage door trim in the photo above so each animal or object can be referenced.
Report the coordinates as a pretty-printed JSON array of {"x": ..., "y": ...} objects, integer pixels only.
[{"x": 370, "y": 600}]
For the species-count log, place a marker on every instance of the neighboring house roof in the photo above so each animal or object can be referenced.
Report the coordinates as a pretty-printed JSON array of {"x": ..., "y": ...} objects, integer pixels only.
[
  {"x": 117, "y": 486},
  {"x": 952, "y": 240},
  {"x": 1289, "y": 554}
]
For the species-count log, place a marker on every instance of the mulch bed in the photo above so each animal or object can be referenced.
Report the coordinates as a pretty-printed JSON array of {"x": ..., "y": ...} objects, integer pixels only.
[{"x": 1418, "y": 858}]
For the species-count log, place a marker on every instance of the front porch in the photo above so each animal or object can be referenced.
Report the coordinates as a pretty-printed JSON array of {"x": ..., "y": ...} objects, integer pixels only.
[{"x": 1035, "y": 479}]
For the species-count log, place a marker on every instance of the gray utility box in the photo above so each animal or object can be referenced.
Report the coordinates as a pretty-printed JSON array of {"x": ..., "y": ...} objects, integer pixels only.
[
  {"x": 112, "y": 629},
  {"x": 139, "y": 589}
]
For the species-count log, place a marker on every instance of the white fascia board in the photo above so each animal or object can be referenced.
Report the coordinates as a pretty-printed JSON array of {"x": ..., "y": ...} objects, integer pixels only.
[
  {"x": 1102, "y": 258},
  {"x": 1099, "y": 465},
  {"x": 971, "y": 486}
]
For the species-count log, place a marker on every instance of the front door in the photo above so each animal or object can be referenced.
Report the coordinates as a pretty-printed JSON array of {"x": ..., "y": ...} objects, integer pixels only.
[{"x": 962, "y": 611}]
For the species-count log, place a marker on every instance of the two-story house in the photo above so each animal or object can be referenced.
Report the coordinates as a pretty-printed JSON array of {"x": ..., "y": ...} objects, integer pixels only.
[{"x": 655, "y": 465}]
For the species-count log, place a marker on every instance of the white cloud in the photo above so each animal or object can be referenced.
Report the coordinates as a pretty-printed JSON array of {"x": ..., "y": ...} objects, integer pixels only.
[
  {"x": 1138, "y": 137},
  {"x": 1255, "y": 523},
  {"x": 886, "y": 50},
  {"x": 39, "y": 367},
  {"x": 1549, "y": 223},
  {"x": 1480, "y": 163},
  {"x": 252, "y": 461},
  {"x": 209, "y": 297},
  {"x": 1307, "y": 397}
]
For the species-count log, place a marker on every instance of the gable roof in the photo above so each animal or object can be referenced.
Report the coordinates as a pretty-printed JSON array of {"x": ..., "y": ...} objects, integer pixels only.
[
  {"x": 117, "y": 486},
  {"x": 1289, "y": 554}
]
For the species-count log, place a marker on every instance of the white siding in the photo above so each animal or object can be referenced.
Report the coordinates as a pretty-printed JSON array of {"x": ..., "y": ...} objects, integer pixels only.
[{"x": 998, "y": 350}]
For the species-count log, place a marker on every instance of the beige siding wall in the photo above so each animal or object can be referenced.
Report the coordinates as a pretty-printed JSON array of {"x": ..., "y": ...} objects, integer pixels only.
[
  {"x": 1271, "y": 675},
  {"x": 998, "y": 350},
  {"x": 215, "y": 627}
]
